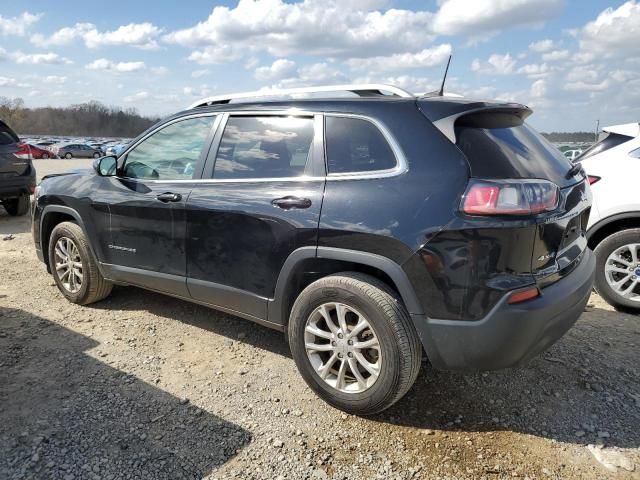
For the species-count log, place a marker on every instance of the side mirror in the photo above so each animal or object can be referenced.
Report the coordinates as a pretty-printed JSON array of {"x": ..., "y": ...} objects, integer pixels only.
[{"x": 106, "y": 166}]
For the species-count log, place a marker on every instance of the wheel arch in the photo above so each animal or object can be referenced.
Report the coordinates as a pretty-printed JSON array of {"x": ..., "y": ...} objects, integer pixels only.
[
  {"x": 610, "y": 225},
  {"x": 307, "y": 264},
  {"x": 53, "y": 215}
]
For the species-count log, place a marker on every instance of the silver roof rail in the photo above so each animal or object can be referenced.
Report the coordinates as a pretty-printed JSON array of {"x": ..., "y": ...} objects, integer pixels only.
[{"x": 363, "y": 90}]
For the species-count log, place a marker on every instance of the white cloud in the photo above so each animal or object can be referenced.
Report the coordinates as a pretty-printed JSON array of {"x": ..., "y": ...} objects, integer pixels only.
[
  {"x": 159, "y": 70},
  {"x": 428, "y": 57},
  {"x": 581, "y": 86},
  {"x": 615, "y": 32},
  {"x": 496, "y": 64},
  {"x": 120, "y": 67},
  {"x": 17, "y": 25},
  {"x": 312, "y": 27},
  {"x": 535, "y": 70},
  {"x": 542, "y": 46},
  {"x": 538, "y": 89},
  {"x": 556, "y": 55},
  {"x": 314, "y": 74},
  {"x": 12, "y": 82},
  {"x": 279, "y": 70},
  {"x": 489, "y": 16},
  {"x": 200, "y": 92},
  {"x": 199, "y": 73},
  {"x": 40, "y": 58},
  {"x": 139, "y": 35},
  {"x": 136, "y": 97},
  {"x": 54, "y": 79}
]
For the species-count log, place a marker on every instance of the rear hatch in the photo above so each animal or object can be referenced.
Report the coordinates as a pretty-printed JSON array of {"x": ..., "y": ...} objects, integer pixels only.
[
  {"x": 15, "y": 157},
  {"x": 500, "y": 146}
]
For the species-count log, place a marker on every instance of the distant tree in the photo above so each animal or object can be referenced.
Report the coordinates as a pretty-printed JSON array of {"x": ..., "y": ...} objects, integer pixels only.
[
  {"x": 575, "y": 137},
  {"x": 92, "y": 119}
]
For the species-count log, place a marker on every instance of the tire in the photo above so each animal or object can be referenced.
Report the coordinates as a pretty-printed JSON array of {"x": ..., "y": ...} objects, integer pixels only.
[
  {"x": 68, "y": 156},
  {"x": 399, "y": 351},
  {"x": 17, "y": 207},
  {"x": 96, "y": 155},
  {"x": 603, "y": 251},
  {"x": 45, "y": 156},
  {"x": 93, "y": 286}
]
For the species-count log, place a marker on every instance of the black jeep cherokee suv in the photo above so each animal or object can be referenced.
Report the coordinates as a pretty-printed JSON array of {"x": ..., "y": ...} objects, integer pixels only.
[
  {"x": 17, "y": 175},
  {"x": 369, "y": 229}
]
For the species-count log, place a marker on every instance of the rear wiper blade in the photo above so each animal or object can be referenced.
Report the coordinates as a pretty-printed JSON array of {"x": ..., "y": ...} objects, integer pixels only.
[{"x": 574, "y": 170}]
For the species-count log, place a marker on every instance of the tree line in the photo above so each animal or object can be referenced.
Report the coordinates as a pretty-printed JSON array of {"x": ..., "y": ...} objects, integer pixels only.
[
  {"x": 577, "y": 137},
  {"x": 92, "y": 119}
]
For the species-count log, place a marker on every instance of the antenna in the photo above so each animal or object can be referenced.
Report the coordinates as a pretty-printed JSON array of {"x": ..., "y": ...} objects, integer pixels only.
[{"x": 444, "y": 79}]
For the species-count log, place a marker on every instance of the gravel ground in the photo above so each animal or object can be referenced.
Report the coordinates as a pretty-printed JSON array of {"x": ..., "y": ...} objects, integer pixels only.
[{"x": 147, "y": 386}]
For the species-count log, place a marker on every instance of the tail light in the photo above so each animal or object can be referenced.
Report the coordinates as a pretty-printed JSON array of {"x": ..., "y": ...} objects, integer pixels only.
[
  {"x": 24, "y": 151},
  {"x": 510, "y": 197},
  {"x": 592, "y": 179}
]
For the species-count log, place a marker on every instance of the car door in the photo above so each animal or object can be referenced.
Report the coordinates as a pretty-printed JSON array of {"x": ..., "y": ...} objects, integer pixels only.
[
  {"x": 261, "y": 202},
  {"x": 146, "y": 204}
]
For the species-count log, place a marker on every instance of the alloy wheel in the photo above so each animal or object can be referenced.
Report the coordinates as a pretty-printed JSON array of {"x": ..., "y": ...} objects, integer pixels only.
[
  {"x": 68, "y": 264},
  {"x": 622, "y": 271},
  {"x": 343, "y": 348}
]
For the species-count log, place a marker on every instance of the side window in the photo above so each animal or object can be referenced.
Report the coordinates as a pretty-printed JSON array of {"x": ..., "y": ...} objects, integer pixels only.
[
  {"x": 171, "y": 153},
  {"x": 264, "y": 147},
  {"x": 355, "y": 145}
]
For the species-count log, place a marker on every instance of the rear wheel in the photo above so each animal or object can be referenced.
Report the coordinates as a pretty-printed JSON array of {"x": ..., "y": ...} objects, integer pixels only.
[
  {"x": 618, "y": 269},
  {"x": 75, "y": 271},
  {"x": 45, "y": 156},
  {"x": 354, "y": 343},
  {"x": 96, "y": 155},
  {"x": 16, "y": 207}
]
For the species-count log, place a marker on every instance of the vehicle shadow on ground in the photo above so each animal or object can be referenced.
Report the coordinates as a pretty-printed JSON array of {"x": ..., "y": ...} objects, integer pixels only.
[
  {"x": 64, "y": 412},
  {"x": 584, "y": 383},
  {"x": 13, "y": 225},
  {"x": 235, "y": 328}
]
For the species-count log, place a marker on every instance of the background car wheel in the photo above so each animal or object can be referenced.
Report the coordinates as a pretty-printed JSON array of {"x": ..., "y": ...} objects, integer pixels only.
[
  {"x": 354, "y": 343},
  {"x": 73, "y": 267},
  {"x": 45, "y": 156},
  {"x": 16, "y": 207},
  {"x": 96, "y": 155},
  {"x": 618, "y": 269},
  {"x": 68, "y": 156}
]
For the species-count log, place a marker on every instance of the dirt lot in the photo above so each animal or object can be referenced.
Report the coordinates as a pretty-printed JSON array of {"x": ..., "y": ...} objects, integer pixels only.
[{"x": 146, "y": 386}]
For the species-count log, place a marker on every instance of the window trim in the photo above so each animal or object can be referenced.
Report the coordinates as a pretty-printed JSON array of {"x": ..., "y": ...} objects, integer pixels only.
[
  {"x": 401, "y": 161},
  {"x": 317, "y": 148},
  {"x": 197, "y": 171}
]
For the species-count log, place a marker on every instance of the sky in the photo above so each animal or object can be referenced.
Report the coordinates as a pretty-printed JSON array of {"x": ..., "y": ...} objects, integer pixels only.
[{"x": 573, "y": 62}]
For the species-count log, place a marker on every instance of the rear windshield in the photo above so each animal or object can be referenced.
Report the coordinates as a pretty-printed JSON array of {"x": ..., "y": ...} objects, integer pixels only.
[
  {"x": 7, "y": 136},
  {"x": 610, "y": 140},
  {"x": 512, "y": 151}
]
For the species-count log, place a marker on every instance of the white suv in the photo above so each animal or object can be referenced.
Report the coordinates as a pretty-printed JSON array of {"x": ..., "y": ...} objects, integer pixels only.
[{"x": 613, "y": 167}]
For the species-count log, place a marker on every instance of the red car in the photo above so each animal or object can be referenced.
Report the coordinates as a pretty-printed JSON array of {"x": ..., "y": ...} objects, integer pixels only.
[{"x": 37, "y": 152}]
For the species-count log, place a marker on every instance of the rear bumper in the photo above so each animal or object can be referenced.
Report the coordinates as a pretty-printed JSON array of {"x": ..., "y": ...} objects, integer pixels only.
[
  {"x": 509, "y": 334},
  {"x": 18, "y": 185}
]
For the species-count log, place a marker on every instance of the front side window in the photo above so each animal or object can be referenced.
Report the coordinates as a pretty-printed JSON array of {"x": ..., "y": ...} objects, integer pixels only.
[
  {"x": 356, "y": 145},
  {"x": 170, "y": 153},
  {"x": 264, "y": 147}
]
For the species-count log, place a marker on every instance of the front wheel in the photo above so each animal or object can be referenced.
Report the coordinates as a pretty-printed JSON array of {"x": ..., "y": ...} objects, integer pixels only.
[
  {"x": 618, "y": 269},
  {"x": 96, "y": 155},
  {"x": 45, "y": 156},
  {"x": 74, "y": 268},
  {"x": 354, "y": 343},
  {"x": 16, "y": 207},
  {"x": 68, "y": 156}
]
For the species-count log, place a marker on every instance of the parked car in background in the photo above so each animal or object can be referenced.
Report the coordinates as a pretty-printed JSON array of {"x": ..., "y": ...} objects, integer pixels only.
[
  {"x": 76, "y": 150},
  {"x": 17, "y": 174},
  {"x": 572, "y": 154},
  {"x": 40, "y": 153},
  {"x": 613, "y": 169},
  {"x": 325, "y": 219},
  {"x": 116, "y": 149}
]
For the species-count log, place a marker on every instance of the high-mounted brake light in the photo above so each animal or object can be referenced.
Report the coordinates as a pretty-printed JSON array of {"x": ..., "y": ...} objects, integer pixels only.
[
  {"x": 592, "y": 179},
  {"x": 510, "y": 197}
]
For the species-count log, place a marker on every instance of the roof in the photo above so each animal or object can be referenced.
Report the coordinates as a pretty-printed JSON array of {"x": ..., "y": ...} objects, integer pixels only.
[{"x": 627, "y": 129}]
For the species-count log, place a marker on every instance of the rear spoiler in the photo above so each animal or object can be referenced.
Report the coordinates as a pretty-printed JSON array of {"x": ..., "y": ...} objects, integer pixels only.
[{"x": 446, "y": 112}]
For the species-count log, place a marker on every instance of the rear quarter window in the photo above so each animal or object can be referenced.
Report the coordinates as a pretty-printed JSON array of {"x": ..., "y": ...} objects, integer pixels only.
[{"x": 356, "y": 145}]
